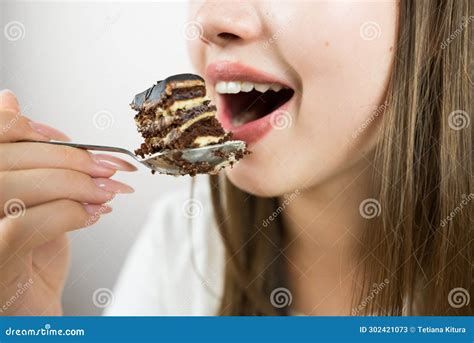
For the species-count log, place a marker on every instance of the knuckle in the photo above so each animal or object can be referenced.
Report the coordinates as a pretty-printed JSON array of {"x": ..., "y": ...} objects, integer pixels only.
[
  {"x": 3, "y": 158},
  {"x": 7, "y": 115},
  {"x": 84, "y": 186},
  {"x": 68, "y": 184},
  {"x": 76, "y": 178},
  {"x": 4, "y": 185},
  {"x": 70, "y": 206},
  {"x": 67, "y": 204},
  {"x": 75, "y": 211},
  {"x": 13, "y": 126},
  {"x": 74, "y": 156}
]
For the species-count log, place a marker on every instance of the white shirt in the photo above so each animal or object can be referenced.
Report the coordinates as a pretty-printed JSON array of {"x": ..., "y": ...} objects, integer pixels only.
[{"x": 173, "y": 269}]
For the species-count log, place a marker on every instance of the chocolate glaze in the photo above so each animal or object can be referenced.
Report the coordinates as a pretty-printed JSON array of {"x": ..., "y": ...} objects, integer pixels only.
[{"x": 157, "y": 92}]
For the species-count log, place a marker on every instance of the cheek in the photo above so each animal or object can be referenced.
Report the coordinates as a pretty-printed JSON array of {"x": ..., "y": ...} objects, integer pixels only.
[
  {"x": 196, "y": 54},
  {"x": 274, "y": 168},
  {"x": 344, "y": 77},
  {"x": 344, "y": 81}
]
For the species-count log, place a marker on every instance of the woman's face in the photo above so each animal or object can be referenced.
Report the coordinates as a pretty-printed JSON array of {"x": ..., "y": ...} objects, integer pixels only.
[{"x": 303, "y": 82}]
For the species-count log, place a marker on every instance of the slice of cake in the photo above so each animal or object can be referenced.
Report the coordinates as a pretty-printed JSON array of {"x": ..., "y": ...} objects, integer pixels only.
[{"x": 176, "y": 114}]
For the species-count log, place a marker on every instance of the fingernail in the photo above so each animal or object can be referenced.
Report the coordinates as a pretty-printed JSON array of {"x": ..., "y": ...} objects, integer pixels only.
[
  {"x": 8, "y": 100},
  {"x": 112, "y": 162},
  {"x": 112, "y": 186},
  {"x": 48, "y": 131},
  {"x": 97, "y": 209}
]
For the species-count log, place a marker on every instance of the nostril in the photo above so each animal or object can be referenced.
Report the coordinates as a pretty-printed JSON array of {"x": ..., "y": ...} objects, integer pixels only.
[{"x": 228, "y": 36}]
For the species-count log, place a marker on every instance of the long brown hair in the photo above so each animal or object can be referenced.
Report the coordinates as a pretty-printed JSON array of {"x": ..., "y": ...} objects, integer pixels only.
[{"x": 422, "y": 242}]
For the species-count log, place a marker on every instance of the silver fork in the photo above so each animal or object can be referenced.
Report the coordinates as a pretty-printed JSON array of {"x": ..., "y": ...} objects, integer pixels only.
[{"x": 217, "y": 156}]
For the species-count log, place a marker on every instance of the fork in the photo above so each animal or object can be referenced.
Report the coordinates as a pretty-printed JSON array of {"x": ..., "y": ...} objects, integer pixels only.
[{"x": 217, "y": 156}]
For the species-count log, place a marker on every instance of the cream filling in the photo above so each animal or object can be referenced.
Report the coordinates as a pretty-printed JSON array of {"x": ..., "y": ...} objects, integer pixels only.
[
  {"x": 180, "y": 104},
  {"x": 172, "y": 134},
  {"x": 186, "y": 104},
  {"x": 185, "y": 84},
  {"x": 194, "y": 120},
  {"x": 207, "y": 140},
  {"x": 230, "y": 161}
]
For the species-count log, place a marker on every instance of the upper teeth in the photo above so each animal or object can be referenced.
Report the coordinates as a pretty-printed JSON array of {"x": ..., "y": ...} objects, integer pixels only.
[{"x": 234, "y": 87}]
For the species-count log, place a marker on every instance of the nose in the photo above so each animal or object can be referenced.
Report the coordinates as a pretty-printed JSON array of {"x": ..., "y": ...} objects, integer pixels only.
[{"x": 227, "y": 21}]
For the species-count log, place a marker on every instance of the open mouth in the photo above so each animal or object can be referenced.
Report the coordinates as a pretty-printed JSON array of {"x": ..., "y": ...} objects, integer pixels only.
[{"x": 248, "y": 101}]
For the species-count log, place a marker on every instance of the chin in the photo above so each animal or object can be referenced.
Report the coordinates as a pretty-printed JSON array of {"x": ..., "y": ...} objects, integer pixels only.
[
  {"x": 254, "y": 178},
  {"x": 247, "y": 181}
]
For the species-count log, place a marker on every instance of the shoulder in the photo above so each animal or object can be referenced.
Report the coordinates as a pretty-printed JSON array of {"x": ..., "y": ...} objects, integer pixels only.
[
  {"x": 177, "y": 261},
  {"x": 173, "y": 217}
]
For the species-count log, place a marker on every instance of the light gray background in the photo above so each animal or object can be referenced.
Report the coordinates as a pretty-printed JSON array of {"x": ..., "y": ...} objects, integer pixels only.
[{"x": 75, "y": 61}]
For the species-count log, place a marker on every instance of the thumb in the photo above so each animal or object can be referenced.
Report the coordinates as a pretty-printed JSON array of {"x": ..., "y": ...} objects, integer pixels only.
[{"x": 8, "y": 101}]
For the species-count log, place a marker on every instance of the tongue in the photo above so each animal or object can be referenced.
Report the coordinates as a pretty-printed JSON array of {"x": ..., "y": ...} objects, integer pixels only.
[
  {"x": 245, "y": 117},
  {"x": 246, "y": 107}
]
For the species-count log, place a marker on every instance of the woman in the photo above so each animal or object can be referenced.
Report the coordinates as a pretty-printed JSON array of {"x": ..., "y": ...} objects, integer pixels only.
[{"x": 356, "y": 198}]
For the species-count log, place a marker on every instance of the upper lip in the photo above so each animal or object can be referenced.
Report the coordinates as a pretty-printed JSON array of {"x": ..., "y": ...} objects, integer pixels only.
[{"x": 233, "y": 71}]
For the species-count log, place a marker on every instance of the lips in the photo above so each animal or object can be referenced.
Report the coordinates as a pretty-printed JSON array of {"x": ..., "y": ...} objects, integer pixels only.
[{"x": 249, "y": 101}]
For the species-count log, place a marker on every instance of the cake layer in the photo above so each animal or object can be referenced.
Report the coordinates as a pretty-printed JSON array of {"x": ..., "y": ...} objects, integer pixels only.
[
  {"x": 208, "y": 126},
  {"x": 149, "y": 126},
  {"x": 165, "y": 135},
  {"x": 189, "y": 93},
  {"x": 177, "y": 114},
  {"x": 198, "y": 132}
]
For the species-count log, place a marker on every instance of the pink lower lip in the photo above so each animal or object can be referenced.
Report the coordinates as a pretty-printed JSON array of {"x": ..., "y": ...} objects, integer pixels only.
[{"x": 250, "y": 132}]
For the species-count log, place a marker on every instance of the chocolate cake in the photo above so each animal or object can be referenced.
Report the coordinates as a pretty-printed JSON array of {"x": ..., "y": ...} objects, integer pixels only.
[{"x": 176, "y": 114}]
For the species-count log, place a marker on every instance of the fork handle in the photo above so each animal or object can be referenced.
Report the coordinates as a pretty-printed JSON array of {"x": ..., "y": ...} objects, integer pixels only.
[{"x": 87, "y": 146}]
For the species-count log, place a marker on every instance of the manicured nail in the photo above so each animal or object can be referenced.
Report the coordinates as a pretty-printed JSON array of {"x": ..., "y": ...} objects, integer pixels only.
[
  {"x": 113, "y": 186},
  {"x": 97, "y": 209},
  {"x": 49, "y": 131},
  {"x": 112, "y": 162}
]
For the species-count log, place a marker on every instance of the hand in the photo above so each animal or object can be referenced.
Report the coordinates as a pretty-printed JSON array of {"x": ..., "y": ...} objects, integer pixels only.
[{"x": 45, "y": 191}]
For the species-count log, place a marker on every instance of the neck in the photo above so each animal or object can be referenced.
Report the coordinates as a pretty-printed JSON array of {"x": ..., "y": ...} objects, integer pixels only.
[{"x": 323, "y": 227}]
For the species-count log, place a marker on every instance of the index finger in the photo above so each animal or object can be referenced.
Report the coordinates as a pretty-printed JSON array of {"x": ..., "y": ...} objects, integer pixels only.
[{"x": 14, "y": 126}]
